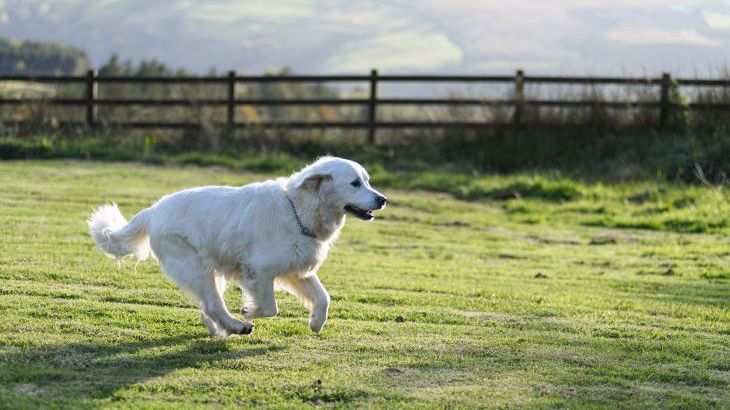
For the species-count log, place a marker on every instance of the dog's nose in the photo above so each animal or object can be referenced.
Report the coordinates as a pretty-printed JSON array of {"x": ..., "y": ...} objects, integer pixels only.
[{"x": 382, "y": 201}]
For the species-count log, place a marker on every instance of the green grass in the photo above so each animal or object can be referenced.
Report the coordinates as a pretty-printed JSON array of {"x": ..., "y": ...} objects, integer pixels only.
[
  {"x": 545, "y": 301},
  {"x": 581, "y": 154}
]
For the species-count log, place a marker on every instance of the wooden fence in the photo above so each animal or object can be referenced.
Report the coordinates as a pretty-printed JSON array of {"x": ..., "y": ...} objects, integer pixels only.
[{"x": 518, "y": 103}]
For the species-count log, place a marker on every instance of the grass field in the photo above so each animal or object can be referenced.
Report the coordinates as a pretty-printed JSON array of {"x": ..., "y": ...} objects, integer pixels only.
[{"x": 553, "y": 300}]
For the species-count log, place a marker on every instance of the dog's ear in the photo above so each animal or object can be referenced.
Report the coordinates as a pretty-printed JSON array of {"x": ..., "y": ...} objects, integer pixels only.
[{"x": 313, "y": 182}]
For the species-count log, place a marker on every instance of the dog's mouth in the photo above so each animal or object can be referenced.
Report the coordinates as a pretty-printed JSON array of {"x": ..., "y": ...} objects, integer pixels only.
[{"x": 363, "y": 214}]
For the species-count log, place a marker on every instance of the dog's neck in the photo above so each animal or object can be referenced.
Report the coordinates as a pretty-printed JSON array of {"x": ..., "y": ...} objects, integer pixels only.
[{"x": 324, "y": 223}]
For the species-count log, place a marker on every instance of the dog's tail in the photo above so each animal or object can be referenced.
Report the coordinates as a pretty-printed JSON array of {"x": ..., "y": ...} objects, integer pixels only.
[{"x": 117, "y": 238}]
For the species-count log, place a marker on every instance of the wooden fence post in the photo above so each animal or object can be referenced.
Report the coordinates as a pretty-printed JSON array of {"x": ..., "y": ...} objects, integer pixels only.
[
  {"x": 519, "y": 97},
  {"x": 231, "y": 114},
  {"x": 91, "y": 90},
  {"x": 372, "y": 106},
  {"x": 665, "y": 100}
]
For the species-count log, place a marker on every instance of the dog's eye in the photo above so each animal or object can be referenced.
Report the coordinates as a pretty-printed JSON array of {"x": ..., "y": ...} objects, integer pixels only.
[{"x": 355, "y": 183}]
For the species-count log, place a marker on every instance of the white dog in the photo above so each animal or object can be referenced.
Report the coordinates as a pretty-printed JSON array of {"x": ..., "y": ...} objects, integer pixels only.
[{"x": 263, "y": 235}]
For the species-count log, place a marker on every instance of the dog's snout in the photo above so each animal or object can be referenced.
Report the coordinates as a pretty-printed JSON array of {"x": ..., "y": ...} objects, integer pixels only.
[{"x": 382, "y": 200}]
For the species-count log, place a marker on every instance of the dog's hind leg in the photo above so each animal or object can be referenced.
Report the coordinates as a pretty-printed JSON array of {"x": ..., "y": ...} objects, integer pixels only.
[
  {"x": 312, "y": 293},
  {"x": 183, "y": 265},
  {"x": 212, "y": 305},
  {"x": 213, "y": 328}
]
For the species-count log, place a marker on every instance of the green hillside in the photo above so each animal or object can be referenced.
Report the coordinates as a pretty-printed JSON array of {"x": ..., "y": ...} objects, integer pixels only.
[{"x": 19, "y": 57}]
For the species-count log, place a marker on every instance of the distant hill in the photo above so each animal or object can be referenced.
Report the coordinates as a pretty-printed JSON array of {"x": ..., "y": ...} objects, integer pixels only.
[
  {"x": 35, "y": 57},
  {"x": 599, "y": 37}
]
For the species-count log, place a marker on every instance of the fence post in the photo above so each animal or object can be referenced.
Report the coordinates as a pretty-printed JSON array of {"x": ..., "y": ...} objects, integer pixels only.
[
  {"x": 231, "y": 114},
  {"x": 665, "y": 101},
  {"x": 372, "y": 106},
  {"x": 519, "y": 97},
  {"x": 91, "y": 90}
]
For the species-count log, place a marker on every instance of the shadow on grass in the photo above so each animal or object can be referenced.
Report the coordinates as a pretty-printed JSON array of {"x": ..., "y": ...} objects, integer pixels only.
[{"x": 78, "y": 373}]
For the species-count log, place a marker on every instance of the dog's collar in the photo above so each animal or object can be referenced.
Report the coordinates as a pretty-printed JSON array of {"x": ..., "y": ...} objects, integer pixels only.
[{"x": 303, "y": 229}]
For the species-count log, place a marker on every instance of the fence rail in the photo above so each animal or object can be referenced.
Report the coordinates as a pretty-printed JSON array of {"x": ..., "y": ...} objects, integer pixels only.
[{"x": 91, "y": 101}]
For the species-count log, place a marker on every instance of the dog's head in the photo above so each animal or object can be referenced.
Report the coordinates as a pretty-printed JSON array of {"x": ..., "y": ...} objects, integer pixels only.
[{"x": 342, "y": 185}]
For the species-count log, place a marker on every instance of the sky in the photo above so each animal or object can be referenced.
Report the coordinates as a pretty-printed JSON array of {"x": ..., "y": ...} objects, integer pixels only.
[{"x": 597, "y": 37}]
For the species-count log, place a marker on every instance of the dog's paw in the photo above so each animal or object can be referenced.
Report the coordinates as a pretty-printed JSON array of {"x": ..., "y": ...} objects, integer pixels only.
[
  {"x": 257, "y": 312},
  {"x": 316, "y": 324},
  {"x": 249, "y": 312},
  {"x": 246, "y": 329}
]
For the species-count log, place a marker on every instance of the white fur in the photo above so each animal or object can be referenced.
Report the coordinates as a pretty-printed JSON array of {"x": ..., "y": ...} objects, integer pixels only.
[{"x": 206, "y": 237}]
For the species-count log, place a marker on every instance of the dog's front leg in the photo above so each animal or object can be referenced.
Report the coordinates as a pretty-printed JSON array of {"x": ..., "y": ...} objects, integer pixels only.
[
  {"x": 258, "y": 289},
  {"x": 314, "y": 296}
]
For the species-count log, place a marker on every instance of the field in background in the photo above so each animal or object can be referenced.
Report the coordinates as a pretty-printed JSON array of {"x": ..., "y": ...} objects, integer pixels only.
[{"x": 526, "y": 297}]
